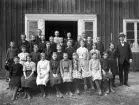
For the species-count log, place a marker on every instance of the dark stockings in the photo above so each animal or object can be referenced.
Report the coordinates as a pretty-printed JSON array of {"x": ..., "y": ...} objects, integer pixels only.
[
  {"x": 42, "y": 88},
  {"x": 27, "y": 93},
  {"x": 15, "y": 93}
]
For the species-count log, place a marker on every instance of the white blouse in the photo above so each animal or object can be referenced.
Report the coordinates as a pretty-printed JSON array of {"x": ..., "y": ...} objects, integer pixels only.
[{"x": 82, "y": 50}]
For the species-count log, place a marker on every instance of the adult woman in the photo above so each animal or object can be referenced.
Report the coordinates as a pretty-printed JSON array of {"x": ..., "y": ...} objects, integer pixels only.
[{"x": 43, "y": 68}]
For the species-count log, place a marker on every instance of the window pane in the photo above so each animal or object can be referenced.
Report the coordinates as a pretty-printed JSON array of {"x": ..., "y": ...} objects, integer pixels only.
[
  {"x": 89, "y": 33},
  {"x": 130, "y": 35},
  {"x": 138, "y": 26},
  {"x": 33, "y": 26},
  {"x": 89, "y": 26},
  {"x": 130, "y": 26}
]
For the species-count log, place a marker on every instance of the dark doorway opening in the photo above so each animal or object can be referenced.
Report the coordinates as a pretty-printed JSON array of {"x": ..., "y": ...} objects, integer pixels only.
[{"x": 62, "y": 26}]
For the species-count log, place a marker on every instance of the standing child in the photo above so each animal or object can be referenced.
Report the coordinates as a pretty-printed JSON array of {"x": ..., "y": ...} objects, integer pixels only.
[
  {"x": 55, "y": 77},
  {"x": 59, "y": 52},
  {"x": 106, "y": 73},
  {"x": 95, "y": 68},
  {"x": 35, "y": 54},
  {"x": 86, "y": 74},
  {"x": 76, "y": 72},
  {"x": 42, "y": 44},
  {"x": 23, "y": 55},
  {"x": 89, "y": 43},
  {"x": 16, "y": 72},
  {"x": 48, "y": 51},
  {"x": 66, "y": 72}
]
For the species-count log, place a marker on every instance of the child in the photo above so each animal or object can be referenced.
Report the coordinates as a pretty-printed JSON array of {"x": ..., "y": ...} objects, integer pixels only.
[
  {"x": 55, "y": 77},
  {"x": 43, "y": 68},
  {"x": 69, "y": 49},
  {"x": 16, "y": 72},
  {"x": 66, "y": 72},
  {"x": 76, "y": 72},
  {"x": 42, "y": 44},
  {"x": 28, "y": 80},
  {"x": 89, "y": 43},
  {"x": 56, "y": 38},
  {"x": 69, "y": 39},
  {"x": 62, "y": 44},
  {"x": 59, "y": 52},
  {"x": 23, "y": 55},
  {"x": 106, "y": 73},
  {"x": 48, "y": 51},
  {"x": 33, "y": 42},
  {"x": 11, "y": 53},
  {"x": 95, "y": 50},
  {"x": 82, "y": 50},
  {"x": 113, "y": 62},
  {"x": 77, "y": 44},
  {"x": 35, "y": 55},
  {"x": 95, "y": 68},
  {"x": 86, "y": 74}
]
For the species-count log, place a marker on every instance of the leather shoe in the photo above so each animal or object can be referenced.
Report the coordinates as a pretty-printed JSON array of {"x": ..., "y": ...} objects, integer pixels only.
[{"x": 126, "y": 84}]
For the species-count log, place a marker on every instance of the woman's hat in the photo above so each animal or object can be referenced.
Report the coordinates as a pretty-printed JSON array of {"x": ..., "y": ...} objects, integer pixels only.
[{"x": 121, "y": 34}]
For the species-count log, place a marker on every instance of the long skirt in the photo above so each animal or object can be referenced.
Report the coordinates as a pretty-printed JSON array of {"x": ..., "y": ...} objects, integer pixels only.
[
  {"x": 67, "y": 77},
  {"x": 113, "y": 66},
  {"x": 96, "y": 75},
  {"x": 42, "y": 80},
  {"x": 31, "y": 82},
  {"x": 55, "y": 80},
  {"x": 76, "y": 74},
  {"x": 15, "y": 81}
]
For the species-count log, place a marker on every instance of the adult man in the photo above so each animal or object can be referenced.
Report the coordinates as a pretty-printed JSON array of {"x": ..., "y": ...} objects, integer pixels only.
[
  {"x": 124, "y": 55},
  {"x": 99, "y": 45},
  {"x": 22, "y": 42}
]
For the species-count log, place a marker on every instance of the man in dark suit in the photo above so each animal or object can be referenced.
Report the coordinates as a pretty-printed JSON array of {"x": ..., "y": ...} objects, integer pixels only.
[
  {"x": 99, "y": 45},
  {"x": 124, "y": 55},
  {"x": 52, "y": 44}
]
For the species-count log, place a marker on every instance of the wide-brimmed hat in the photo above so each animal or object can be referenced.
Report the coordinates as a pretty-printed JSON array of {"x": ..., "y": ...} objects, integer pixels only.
[{"x": 121, "y": 34}]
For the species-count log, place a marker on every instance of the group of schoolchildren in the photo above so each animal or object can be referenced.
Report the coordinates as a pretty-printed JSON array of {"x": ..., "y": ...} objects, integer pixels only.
[{"x": 60, "y": 61}]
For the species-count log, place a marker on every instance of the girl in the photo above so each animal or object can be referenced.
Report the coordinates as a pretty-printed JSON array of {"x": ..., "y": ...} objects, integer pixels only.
[
  {"x": 86, "y": 74},
  {"x": 113, "y": 62},
  {"x": 76, "y": 72},
  {"x": 43, "y": 68},
  {"x": 62, "y": 44},
  {"x": 95, "y": 50},
  {"x": 66, "y": 72},
  {"x": 69, "y": 49},
  {"x": 33, "y": 42},
  {"x": 35, "y": 54},
  {"x": 59, "y": 52},
  {"x": 23, "y": 55},
  {"x": 28, "y": 80},
  {"x": 48, "y": 51},
  {"x": 42, "y": 44},
  {"x": 89, "y": 43},
  {"x": 16, "y": 72},
  {"x": 55, "y": 77},
  {"x": 106, "y": 73},
  {"x": 95, "y": 68},
  {"x": 82, "y": 50}
]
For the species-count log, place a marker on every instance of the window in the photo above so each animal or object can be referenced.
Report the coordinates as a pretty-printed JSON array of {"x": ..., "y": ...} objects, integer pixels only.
[
  {"x": 131, "y": 30},
  {"x": 89, "y": 29}
]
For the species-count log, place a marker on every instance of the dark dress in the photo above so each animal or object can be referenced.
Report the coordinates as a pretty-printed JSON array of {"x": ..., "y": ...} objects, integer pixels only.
[
  {"x": 25, "y": 43},
  {"x": 113, "y": 61},
  {"x": 42, "y": 46},
  {"x": 89, "y": 46},
  {"x": 35, "y": 57},
  {"x": 63, "y": 46},
  {"x": 105, "y": 65},
  {"x": 69, "y": 39},
  {"x": 32, "y": 43},
  {"x": 77, "y": 45},
  {"x": 48, "y": 53},
  {"x": 53, "y": 46},
  {"x": 55, "y": 69},
  {"x": 59, "y": 56},
  {"x": 70, "y": 51},
  {"x": 15, "y": 75},
  {"x": 100, "y": 47}
]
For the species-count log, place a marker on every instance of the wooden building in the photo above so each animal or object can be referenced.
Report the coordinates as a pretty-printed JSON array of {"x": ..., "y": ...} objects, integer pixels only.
[{"x": 104, "y": 18}]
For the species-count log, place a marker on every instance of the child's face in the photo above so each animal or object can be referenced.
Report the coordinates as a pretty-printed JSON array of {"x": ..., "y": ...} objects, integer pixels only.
[
  {"x": 42, "y": 56},
  {"x": 56, "y": 33},
  {"x": 122, "y": 38},
  {"x": 16, "y": 60},
  {"x": 84, "y": 56},
  {"x": 54, "y": 56},
  {"x": 88, "y": 39},
  {"x": 82, "y": 44},
  {"x": 65, "y": 56},
  {"x": 12, "y": 44},
  {"x": 69, "y": 44},
  {"x": 51, "y": 39},
  {"x": 74, "y": 57},
  {"x": 23, "y": 49},
  {"x": 28, "y": 59},
  {"x": 98, "y": 39},
  {"x": 68, "y": 35},
  {"x": 105, "y": 56},
  {"x": 23, "y": 37},
  {"x": 47, "y": 45},
  {"x": 79, "y": 37},
  {"x": 42, "y": 37},
  {"x": 61, "y": 40},
  {"x": 59, "y": 47},
  {"x": 94, "y": 46},
  {"x": 94, "y": 56},
  {"x": 36, "y": 49},
  {"x": 112, "y": 46},
  {"x": 33, "y": 37}
]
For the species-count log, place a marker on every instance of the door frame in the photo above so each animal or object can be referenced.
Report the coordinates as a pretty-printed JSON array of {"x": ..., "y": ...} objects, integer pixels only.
[{"x": 81, "y": 18}]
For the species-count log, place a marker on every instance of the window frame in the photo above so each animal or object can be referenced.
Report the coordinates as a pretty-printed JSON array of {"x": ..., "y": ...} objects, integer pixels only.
[{"x": 135, "y": 21}]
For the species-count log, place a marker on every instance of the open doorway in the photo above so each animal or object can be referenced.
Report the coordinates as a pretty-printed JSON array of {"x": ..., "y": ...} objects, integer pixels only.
[{"x": 63, "y": 27}]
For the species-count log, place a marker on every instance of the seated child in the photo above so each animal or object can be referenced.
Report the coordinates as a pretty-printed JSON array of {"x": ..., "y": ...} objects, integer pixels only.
[{"x": 66, "y": 72}]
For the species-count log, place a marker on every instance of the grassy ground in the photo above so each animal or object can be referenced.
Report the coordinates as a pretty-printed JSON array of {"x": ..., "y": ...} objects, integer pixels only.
[{"x": 123, "y": 96}]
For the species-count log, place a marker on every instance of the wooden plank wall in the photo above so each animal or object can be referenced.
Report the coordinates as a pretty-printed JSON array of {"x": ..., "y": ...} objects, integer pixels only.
[{"x": 110, "y": 16}]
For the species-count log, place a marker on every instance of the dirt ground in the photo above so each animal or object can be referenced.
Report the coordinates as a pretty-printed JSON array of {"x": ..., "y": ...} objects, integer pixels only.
[{"x": 123, "y": 96}]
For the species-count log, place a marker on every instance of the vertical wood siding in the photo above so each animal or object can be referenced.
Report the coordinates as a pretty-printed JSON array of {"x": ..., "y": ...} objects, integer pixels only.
[{"x": 110, "y": 16}]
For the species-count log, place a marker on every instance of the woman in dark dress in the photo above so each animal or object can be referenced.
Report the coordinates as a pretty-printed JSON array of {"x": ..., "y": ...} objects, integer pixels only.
[
  {"x": 48, "y": 51},
  {"x": 59, "y": 52},
  {"x": 55, "y": 77},
  {"x": 28, "y": 80},
  {"x": 42, "y": 44},
  {"x": 16, "y": 71},
  {"x": 113, "y": 61}
]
